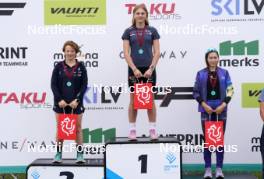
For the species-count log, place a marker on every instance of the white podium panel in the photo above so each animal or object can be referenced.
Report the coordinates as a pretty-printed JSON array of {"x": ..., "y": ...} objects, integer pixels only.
[
  {"x": 143, "y": 159},
  {"x": 44, "y": 169}
]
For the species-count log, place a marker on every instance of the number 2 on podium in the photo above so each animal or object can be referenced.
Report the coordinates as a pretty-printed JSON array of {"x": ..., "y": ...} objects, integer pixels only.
[{"x": 144, "y": 163}]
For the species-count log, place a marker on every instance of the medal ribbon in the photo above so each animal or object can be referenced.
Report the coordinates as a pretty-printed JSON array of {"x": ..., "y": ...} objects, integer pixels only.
[
  {"x": 141, "y": 36},
  {"x": 67, "y": 73},
  {"x": 213, "y": 80}
]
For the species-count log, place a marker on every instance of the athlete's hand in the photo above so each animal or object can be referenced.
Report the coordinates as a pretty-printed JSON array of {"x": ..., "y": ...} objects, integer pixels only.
[
  {"x": 137, "y": 73},
  {"x": 62, "y": 104},
  {"x": 207, "y": 108},
  {"x": 148, "y": 73},
  {"x": 220, "y": 108},
  {"x": 74, "y": 104}
]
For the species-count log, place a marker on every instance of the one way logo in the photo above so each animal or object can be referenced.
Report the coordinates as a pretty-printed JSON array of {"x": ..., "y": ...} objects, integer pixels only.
[
  {"x": 7, "y": 9},
  {"x": 98, "y": 98},
  {"x": 176, "y": 93}
]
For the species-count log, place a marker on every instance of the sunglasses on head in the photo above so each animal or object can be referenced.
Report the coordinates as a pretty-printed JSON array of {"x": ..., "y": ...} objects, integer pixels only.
[{"x": 212, "y": 50}]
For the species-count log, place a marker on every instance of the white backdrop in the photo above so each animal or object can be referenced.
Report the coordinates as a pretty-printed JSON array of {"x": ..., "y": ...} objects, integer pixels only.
[{"x": 20, "y": 126}]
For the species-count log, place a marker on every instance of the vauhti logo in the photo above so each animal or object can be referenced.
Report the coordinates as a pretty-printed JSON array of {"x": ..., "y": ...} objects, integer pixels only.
[
  {"x": 81, "y": 12},
  {"x": 250, "y": 94}
]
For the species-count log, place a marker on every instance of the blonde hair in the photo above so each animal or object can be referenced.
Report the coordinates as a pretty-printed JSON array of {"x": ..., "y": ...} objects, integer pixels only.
[{"x": 140, "y": 6}]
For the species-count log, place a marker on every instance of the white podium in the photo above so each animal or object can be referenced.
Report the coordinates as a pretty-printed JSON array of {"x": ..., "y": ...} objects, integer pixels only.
[
  {"x": 143, "y": 159},
  {"x": 45, "y": 169}
]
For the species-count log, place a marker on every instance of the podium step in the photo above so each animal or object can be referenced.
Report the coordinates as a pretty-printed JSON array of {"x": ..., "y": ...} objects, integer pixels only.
[
  {"x": 44, "y": 168},
  {"x": 68, "y": 162},
  {"x": 125, "y": 140},
  {"x": 143, "y": 158}
]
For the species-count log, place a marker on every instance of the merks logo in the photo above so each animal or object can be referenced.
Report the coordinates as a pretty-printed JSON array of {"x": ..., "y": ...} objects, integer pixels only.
[
  {"x": 99, "y": 135},
  {"x": 255, "y": 144},
  {"x": 239, "y": 54},
  {"x": 7, "y": 9},
  {"x": 239, "y": 48}
]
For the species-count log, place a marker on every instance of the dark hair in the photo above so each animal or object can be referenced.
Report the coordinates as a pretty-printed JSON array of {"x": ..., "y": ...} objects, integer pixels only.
[
  {"x": 71, "y": 43},
  {"x": 209, "y": 51},
  {"x": 140, "y": 6}
]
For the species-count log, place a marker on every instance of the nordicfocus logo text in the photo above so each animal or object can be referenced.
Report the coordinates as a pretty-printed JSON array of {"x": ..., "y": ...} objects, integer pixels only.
[
  {"x": 239, "y": 54},
  {"x": 13, "y": 56}
]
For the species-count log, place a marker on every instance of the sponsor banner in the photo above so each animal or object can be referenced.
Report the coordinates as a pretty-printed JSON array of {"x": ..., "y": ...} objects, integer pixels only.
[{"x": 79, "y": 12}]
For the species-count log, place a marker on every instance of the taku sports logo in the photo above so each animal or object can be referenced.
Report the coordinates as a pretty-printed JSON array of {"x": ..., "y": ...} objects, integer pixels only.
[
  {"x": 158, "y": 11},
  {"x": 23, "y": 98}
]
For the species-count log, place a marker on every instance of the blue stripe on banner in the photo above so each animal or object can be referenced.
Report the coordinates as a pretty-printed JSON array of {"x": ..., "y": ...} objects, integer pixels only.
[
  {"x": 12, "y": 169},
  {"x": 112, "y": 175}
]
